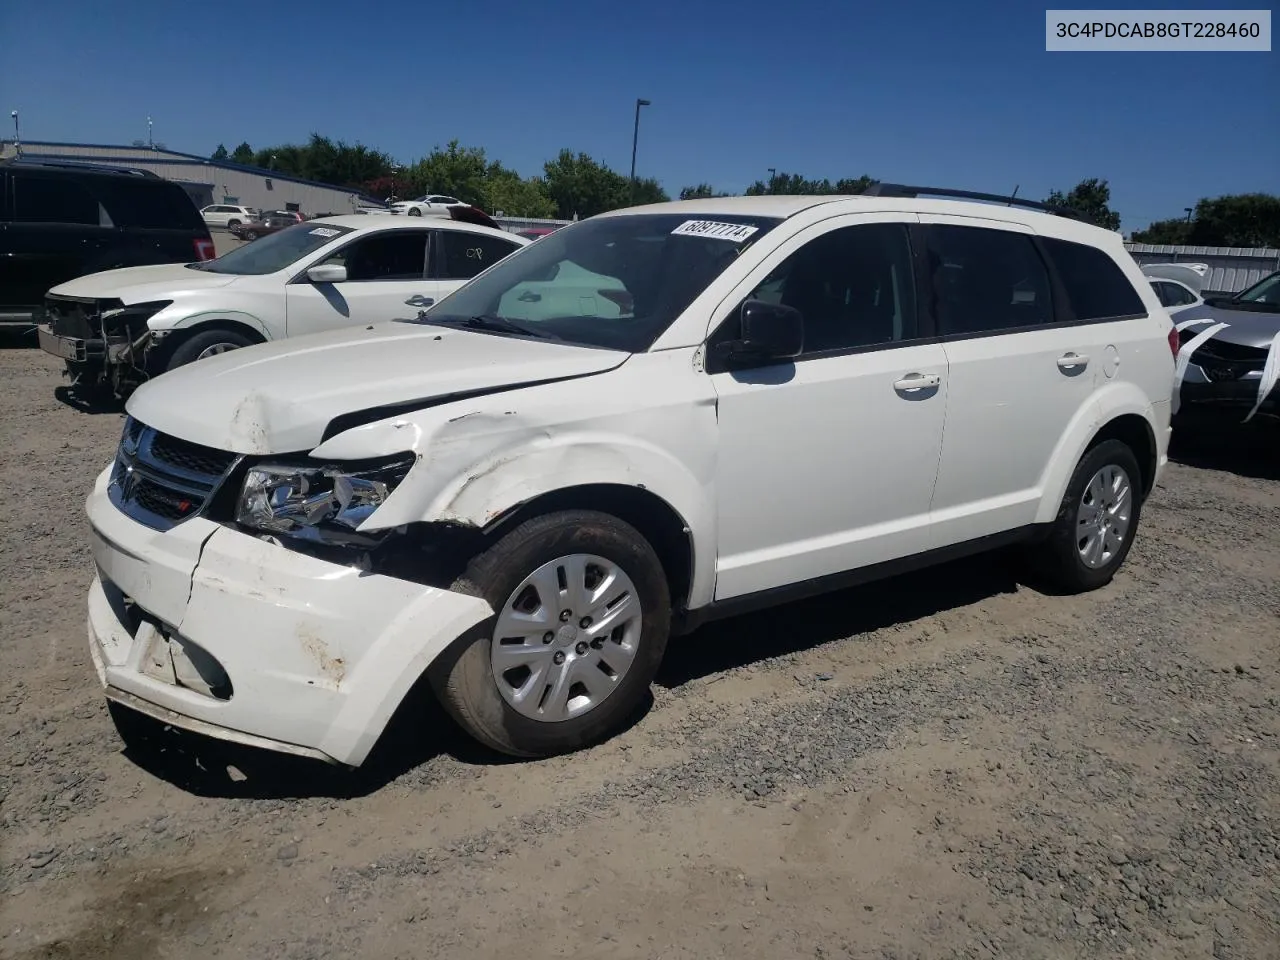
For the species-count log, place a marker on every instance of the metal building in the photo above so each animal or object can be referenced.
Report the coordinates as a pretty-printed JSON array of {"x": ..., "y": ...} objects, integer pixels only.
[
  {"x": 207, "y": 181},
  {"x": 1231, "y": 269}
]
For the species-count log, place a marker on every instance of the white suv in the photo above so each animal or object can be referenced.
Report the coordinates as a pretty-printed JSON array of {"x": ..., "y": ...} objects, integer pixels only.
[
  {"x": 226, "y": 215},
  {"x": 648, "y": 419}
]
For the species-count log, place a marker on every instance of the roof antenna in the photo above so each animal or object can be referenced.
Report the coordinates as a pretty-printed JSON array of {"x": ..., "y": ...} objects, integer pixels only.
[{"x": 1013, "y": 195}]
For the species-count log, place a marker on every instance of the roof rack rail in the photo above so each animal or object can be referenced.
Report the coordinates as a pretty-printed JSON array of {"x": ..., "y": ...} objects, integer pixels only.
[
  {"x": 879, "y": 189},
  {"x": 79, "y": 165}
]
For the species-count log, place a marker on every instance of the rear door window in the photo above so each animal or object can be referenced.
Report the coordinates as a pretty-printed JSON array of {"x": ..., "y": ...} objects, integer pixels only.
[
  {"x": 1096, "y": 286},
  {"x": 148, "y": 204},
  {"x": 43, "y": 199},
  {"x": 463, "y": 255},
  {"x": 986, "y": 281}
]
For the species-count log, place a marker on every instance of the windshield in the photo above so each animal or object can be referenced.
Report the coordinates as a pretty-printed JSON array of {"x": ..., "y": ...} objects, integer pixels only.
[
  {"x": 1266, "y": 290},
  {"x": 274, "y": 251},
  {"x": 616, "y": 282}
]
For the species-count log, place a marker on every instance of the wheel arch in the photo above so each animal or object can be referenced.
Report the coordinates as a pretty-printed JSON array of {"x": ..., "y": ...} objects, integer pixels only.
[
  {"x": 233, "y": 320},
  {"x": 655, "y": 519}
]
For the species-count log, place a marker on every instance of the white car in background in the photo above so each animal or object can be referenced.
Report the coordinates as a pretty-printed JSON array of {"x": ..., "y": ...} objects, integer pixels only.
[
  {"x": 121, "y": 327},
  {"x": 226, "y": 215},
  {"x": 1178, "y": 285},
  {"x": 432, "y": 205}
]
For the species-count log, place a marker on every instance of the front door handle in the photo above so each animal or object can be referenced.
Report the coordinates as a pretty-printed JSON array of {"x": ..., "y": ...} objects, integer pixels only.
[
  {"x": 1072, "y": 361},
  {"x": 917, "y": 381},
  {"x": 417, "y": 300}
]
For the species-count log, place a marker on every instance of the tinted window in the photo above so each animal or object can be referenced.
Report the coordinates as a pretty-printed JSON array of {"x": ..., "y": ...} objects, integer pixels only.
[
  {"x": 392, "y": 255},
  {"x": 39, "y": 199},
  {"x": 1266, "y": 290},
  {"x": 853, "y": 286},
  {"x": 986, "y": 280},
  {"x": 463, "y": 255},
  {"x": 1096, "y": 286},
  {"x": 611, "y": 281},
  {"x": 148, "y": 204}
]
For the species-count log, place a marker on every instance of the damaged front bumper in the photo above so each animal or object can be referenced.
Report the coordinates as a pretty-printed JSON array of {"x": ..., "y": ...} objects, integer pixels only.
[
  {"x": 101, "y": 340},
  {"x": 215, "y": 631}
]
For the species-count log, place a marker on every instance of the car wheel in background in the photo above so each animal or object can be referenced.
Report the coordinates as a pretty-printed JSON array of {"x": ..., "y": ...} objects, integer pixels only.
[
  {"x": 582, "y": 615},
  {"x": 415, "y": 212},
  {"x": 206, "y": 343},
  {"x": 231, "y": 224}
]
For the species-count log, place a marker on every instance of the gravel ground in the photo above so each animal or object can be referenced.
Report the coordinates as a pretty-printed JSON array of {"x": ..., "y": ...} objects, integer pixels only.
[{"x": 946, "y": 765}]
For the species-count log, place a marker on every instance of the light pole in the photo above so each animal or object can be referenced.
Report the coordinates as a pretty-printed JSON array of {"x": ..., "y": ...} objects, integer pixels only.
[
  {"x": 635, "y": 136},
  {"x": 17, "y": 138},
  {"x": 150, "y": 142},
  {"x": 772, "y": 174}
]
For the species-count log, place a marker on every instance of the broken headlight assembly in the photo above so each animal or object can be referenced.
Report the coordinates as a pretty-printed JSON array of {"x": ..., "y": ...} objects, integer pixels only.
[{"x": 323, "y": 503}]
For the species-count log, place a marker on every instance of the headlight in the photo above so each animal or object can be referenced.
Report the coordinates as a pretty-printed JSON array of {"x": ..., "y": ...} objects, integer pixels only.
[{"x": 324, "y": 503}]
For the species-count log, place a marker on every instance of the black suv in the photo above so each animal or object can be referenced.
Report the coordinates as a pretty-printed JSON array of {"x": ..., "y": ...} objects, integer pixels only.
[{"x": 59, "y": 221}]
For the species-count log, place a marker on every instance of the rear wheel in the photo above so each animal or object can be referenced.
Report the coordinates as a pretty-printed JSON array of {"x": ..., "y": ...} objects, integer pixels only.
[
  {"x": 232, "y": 223},
  {"x": 1096, "y": 521},
  {"x": 206, "y": 343},
  {"x": 582, "y": 617}
]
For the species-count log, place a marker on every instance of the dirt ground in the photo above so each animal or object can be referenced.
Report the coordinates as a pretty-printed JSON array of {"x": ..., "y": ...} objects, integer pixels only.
[{"x": 946, "y": 765}]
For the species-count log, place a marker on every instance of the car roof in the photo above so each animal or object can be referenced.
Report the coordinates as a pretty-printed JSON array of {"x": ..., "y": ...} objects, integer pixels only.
[
  {"x": 784, "y": 207},
  {"x": 360, "y": 221}
]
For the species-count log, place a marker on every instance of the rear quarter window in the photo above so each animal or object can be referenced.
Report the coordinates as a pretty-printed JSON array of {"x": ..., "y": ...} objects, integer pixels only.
[
  {"x": 1096, "y": 286},
  {"x": 148, "y": 204}
]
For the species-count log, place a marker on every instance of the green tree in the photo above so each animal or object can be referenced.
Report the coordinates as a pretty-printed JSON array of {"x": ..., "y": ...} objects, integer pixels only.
[
  {"x": 455, "y": 170},
  {"x": 221, "y": 153},
  {"x": 243, "y": 154},
  {"x": 793, "y": 184},
  {"x": 579, "y": 186},
  {"x": 516, "y": 196},
  {"x": 1090, "y": 197},
  {"x": 1164, "y": 231},
  {"x": 702, "y": 191},
  {"x": 647, "y": 190},
  {"x": 1237, "y": 220}
]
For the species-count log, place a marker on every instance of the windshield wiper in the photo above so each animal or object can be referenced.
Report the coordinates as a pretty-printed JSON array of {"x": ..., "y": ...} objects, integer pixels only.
[{"x": 488, "y": 322}]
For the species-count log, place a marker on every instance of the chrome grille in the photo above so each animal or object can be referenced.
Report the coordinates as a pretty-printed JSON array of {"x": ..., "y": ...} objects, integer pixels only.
[{"x": 161, "y": 480}]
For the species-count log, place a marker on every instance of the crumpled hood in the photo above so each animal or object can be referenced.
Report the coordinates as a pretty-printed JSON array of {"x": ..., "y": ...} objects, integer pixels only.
[
  {"x": 279, "y": 397},
  {"x": 1245, "y": 327},
  {"x": 133, "y": 285}
]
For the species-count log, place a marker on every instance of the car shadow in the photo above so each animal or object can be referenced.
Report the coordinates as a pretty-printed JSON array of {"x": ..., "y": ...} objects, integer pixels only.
[
  {"x": 419, "y": 731},
  {"x": 93, "y": 403},
  {"x": 1247, "y": 450},
  {"x": 804, "y": 624}
]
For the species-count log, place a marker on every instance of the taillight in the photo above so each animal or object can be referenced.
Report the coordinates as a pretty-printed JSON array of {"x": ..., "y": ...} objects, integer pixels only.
[
  {"x": 1175, "y": 341},
  {"x": 204, "y": 249}
]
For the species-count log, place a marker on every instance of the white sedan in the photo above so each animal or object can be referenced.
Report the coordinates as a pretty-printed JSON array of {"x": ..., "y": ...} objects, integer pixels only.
[
  {"x": 119, "y": 327},
  {"x": 432, "y": 205}
]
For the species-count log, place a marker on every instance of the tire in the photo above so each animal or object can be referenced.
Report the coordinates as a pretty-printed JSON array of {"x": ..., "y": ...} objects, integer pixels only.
[
  {"x": 415, "y": 212},
  {"x": 1059, "y": 556},
  {"x": 482, "y": 699},
  {"x": 232, "y": 223},
  {"x": 192, "y": 347},
  {"x": 251, "y": 234}
]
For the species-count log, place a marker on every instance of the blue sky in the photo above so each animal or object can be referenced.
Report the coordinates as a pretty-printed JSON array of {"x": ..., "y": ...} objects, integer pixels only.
[{"x": 945, "y": 94}]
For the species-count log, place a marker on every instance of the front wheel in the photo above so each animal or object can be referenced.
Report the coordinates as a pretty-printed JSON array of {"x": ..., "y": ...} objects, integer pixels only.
[
  {"x": 415, "y": 212},
  {"x": 206, "y": 343},
  {"x": 583, "y": 612},
  {"x": 232, "y": 224},
  {"x": 1096, "y": 522}
]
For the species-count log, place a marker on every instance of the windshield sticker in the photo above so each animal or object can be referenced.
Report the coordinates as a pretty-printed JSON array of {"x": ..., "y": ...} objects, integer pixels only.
[
  {"x": 324, "y": 232},
  {"x": 735, "y": 232}
]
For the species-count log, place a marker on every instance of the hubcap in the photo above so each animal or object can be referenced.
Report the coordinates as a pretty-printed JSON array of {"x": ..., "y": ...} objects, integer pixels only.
[
  {"x": 1102, "y": 522},
  {"x": 214, "y": 350},
  {"x": 566, "y": 637}
]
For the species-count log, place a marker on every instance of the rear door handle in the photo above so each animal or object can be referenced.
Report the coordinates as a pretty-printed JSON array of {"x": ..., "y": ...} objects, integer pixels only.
[
  {"x": 417, "y": 300},
  {"x": 1070, "y": 361},
  {"x": 917, "y": 381}
]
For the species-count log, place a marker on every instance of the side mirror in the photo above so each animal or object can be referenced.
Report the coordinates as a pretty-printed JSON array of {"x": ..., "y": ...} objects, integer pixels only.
[
  {"x": 327, "y": 273},
  {"x": 770, "y": 331}
]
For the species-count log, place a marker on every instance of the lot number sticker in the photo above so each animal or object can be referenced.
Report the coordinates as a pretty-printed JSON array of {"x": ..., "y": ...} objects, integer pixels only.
[
  {"x": 324, "y": 232},
  {"x": 734, "y": 232}
]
